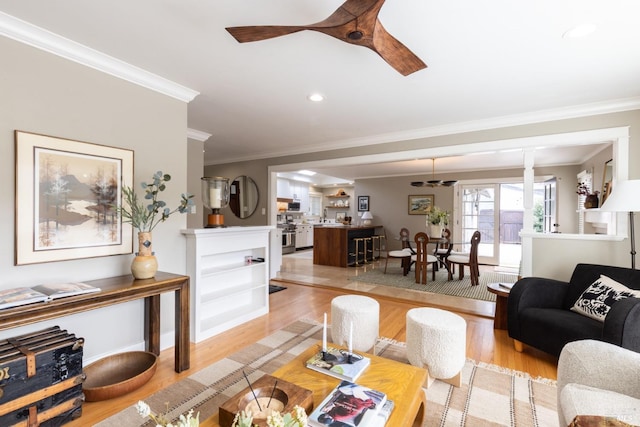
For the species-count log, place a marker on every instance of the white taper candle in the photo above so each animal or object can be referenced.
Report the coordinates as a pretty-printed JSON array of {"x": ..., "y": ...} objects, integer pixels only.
[{"x": 324, "y": 334}]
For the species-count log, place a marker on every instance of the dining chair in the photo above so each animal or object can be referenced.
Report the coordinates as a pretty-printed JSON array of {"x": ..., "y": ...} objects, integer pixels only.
[
  {"x": 466, "y": 258},
  {"x": 404, "y": 254},
  {"x": 423, "y": 258},
  {"x": 443, "y": 248}
]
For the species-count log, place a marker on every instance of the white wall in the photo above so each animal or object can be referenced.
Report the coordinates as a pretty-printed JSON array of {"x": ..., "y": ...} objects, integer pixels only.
[{"x": 45, "y": 94}]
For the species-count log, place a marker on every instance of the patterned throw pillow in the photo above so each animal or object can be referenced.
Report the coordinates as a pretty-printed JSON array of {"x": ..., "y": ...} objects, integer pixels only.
[{"x": 597, "y": 299}]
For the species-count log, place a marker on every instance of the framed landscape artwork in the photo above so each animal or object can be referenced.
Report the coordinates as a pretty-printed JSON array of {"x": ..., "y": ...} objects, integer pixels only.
[
  {"x": 65, "y": 196},
  {"x": 419, "y": 204},
  {"x": 340, "y": 216}
]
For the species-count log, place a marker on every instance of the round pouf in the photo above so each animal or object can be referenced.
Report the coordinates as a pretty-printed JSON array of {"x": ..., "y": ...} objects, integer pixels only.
[
  {"x": 364, "y": 312},
  {"x": 436, "y": 340}
]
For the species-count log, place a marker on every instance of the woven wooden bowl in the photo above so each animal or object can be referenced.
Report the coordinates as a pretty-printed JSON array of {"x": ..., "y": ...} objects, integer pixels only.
[{"x": 118, "y": 374}]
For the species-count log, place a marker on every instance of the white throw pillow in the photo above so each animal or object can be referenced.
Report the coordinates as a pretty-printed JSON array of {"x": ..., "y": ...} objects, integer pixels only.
[{"x": 597, "y": 299}]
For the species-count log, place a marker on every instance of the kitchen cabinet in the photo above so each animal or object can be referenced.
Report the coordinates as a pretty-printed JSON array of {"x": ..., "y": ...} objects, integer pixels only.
[
  {"x": 296, "y": 190},
  {"x": 304, "y": 236},
  {"x": 226, "y": 288},
  {"x": 283, "y": 188}
]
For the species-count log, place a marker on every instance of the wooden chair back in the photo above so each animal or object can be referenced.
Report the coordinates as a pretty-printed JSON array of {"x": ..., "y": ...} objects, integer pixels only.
[
  {"x": 473, "y": 253},
  {"x": 404, "y": 238},
  {"x": 444, "y": 247},
  {"x": 471, "y": 261},
  {"x": 422, "y": 240}
]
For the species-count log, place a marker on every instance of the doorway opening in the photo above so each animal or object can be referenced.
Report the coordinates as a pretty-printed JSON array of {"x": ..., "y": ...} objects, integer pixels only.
[{"x": 497, "y": 211}]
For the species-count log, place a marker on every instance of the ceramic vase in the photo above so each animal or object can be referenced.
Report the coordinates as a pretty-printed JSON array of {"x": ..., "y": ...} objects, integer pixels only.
[
  {"x": 145, "y": 264},
  {"x": 591, "y": 201},
  {"x": 435, "y": 231}
]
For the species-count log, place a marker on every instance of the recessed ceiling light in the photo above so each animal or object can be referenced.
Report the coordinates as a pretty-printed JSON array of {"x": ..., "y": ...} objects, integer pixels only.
[
  {"x": 315, "y": 97},
  {"x": 581, "y": 30},
  {"x": 306, "y": 172}
]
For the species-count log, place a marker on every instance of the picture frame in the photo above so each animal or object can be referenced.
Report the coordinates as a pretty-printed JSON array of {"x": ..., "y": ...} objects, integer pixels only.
[
  {"x": 420, "y": 204},
  {"x": 65, "y": 193},
  {"x": 363, "y": 203},
  {"x": 340, "y": 216}
]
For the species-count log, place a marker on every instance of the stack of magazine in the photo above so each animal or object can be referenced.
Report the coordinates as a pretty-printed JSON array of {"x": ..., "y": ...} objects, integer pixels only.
[
  {"x": 352, "y": 405},
  {"x": 337, "y": 364}
]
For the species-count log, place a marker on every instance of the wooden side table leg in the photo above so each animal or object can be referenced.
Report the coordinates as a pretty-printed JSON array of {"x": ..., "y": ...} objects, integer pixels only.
[
  {"x": 500, "y": 318},
  {"x": 182, "y": 348},
  {"x": 152, "y": 323},
  {"x": 518, "y": 346}
]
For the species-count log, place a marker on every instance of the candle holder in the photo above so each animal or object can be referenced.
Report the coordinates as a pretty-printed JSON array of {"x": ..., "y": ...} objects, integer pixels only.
[{"x": 215, "y": 196}]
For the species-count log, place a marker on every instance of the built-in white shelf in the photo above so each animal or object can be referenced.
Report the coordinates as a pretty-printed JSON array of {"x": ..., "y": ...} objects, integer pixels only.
[
  {"x": 226, "y": 290},
  {"x": 601, "y": 221}
]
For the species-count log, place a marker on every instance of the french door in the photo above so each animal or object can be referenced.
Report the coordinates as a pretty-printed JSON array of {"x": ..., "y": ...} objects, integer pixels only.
[{"x": 479, "y": 210}]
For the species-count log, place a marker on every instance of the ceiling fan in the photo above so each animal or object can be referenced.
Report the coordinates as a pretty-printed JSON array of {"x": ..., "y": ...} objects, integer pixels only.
[{"x": 355, "y": 22}]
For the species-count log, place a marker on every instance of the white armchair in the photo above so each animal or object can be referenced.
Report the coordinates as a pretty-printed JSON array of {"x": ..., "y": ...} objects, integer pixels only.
[{"x": 598, "y": 378}]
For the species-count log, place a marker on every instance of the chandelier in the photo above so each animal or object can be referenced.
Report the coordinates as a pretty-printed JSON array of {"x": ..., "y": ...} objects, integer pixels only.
[{"x": 433, "y": 182}]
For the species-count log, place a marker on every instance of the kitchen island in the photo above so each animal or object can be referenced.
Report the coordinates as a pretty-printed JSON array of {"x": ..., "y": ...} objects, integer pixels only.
[{"x": 333, "y": 244}]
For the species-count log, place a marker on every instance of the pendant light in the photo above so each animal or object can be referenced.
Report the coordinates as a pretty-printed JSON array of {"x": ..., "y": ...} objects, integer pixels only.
[{"x": 433, "y": 182}]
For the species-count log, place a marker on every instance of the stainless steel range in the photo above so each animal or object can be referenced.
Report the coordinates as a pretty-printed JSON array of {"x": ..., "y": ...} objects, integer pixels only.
[{"x": 288, "y": 238}]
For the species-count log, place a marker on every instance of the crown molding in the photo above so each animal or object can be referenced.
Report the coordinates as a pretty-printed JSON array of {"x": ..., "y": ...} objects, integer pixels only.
[
  {"x": 571, "y": 112},
  {"x": 198, "y": 135},
  {"x": 24, "y": 32}
]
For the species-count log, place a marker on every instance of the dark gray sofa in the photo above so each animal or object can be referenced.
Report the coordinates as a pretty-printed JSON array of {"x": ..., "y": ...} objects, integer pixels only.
[{"x": 539, "y": 312}]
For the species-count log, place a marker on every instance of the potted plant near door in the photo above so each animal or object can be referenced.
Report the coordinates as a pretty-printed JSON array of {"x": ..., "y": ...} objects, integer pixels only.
[
  {"x": 437, "y": 220},
  {"x": 145, "y": 215}
]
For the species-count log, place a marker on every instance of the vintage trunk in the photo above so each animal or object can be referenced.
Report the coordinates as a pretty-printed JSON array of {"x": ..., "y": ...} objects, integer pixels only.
[{"x": 41, "y": 378}]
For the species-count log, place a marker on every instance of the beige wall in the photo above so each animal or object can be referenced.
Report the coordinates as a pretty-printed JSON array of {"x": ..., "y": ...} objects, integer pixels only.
[
  {"x": 45, "y": 94},
  {"x": 546, "y": 255},
  {"x": 258, "y": 172},
  {"x": 194, "y": 173}
]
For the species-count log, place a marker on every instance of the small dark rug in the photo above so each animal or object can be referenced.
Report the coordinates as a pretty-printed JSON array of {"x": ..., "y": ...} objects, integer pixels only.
[{"x": 275, "y": 288}]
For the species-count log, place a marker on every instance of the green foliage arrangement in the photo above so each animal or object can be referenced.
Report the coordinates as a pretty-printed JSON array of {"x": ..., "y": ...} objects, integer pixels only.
[
  {"x": 297, "y": 418},
  {"x": 437, "y": 216},
  {"x": 161, "y": 419},
  {"x": 145, "y": 216}
]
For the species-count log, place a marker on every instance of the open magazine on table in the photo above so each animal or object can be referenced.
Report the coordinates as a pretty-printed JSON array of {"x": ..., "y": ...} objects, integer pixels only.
[
  {"x": 15, "y": 297},
  {"x": 349, "y": 405}
]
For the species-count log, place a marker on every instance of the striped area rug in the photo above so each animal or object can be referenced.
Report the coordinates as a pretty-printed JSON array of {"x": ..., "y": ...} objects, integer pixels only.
[
  {"x": 489, "y": 396},
  {"x": 458, "y": 288}
]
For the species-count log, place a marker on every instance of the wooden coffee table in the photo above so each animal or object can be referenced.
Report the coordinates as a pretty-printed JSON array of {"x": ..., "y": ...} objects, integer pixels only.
[
  {"x": 401, "y": 382},
  {"x": 502, "y": 297}
]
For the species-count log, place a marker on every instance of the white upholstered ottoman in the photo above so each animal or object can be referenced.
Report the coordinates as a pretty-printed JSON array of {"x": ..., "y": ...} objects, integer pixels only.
[
  {"x": 436, "y": 340},
  {"x": 364, "y": 312}
]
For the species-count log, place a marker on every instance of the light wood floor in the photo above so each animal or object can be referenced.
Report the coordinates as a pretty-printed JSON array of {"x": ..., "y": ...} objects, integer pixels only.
[{"x": 311, "y": 301}]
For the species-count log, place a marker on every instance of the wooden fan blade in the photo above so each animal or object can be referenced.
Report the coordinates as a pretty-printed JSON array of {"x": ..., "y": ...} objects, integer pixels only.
[
  {"x": 355, "y": 22},
  {"x": 395, "y": 53},
  {"x": 263, "y": 32}
]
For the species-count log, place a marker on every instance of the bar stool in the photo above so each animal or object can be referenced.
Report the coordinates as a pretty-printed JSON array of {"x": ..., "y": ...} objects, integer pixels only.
[
  {"x": 368, "y": 243},
  {"x": 382, "y": 243},
  {"x": 356, "y": 253},
  {"x": 375, "y": 243}
]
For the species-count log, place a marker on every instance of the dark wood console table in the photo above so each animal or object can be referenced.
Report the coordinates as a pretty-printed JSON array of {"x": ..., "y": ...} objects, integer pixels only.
[{"x": 115, "y": 290}]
